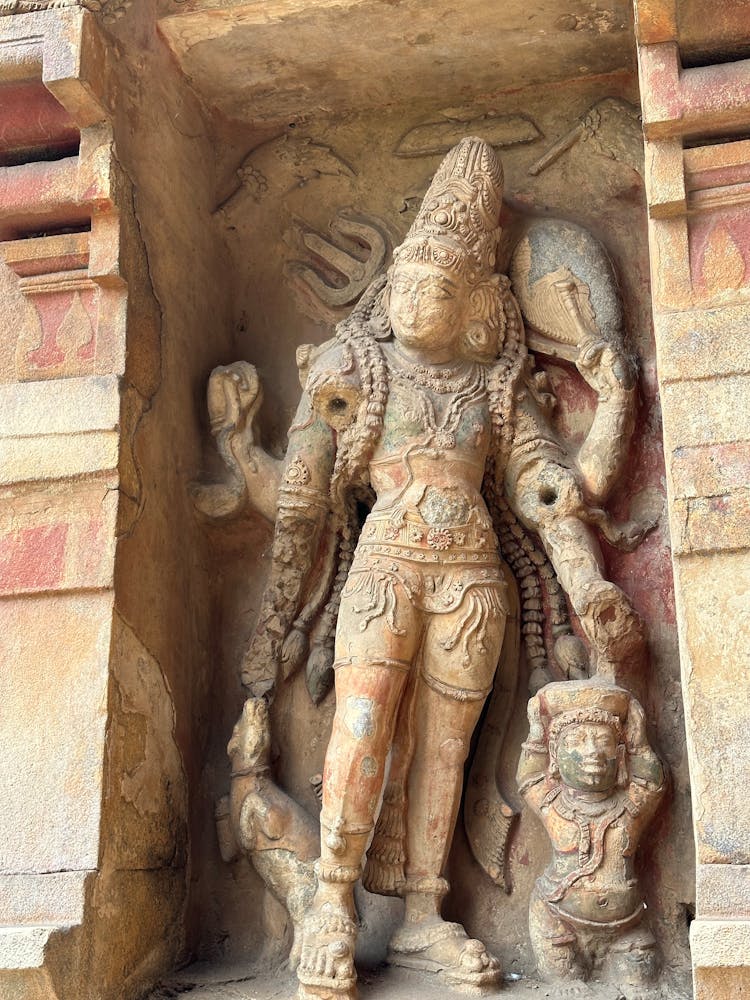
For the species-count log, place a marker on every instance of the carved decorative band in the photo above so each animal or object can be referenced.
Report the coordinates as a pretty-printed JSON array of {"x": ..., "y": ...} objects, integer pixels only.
[
  {"x": 598, "y": 925},
  {"x": 339, "y": 826},
  {"x": 458, "y": 694},
  {"x": 298, "y": 497},
  {"x": 418, "y": 539},
  {"x": 56, "y": 283},
  {"x": 337, "y": 873},
  {"x": 721, "y": 197},
  {"x": 451, "y": 555},
  {"x": 430, "y": 885},
  {"x": 402, "y": 665}
]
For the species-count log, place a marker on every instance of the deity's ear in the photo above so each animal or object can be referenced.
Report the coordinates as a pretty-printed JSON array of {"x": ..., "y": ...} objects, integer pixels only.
[{"x": 483, "y": 328}]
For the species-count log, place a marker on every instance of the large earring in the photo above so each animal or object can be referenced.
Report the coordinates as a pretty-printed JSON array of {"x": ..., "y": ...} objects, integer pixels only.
[
  {"x": 380, "y": 317},
  {"x": 553, "y": 771},
  {"x": 478, "y": 340},
  {"x": 623, "y": 778},
  {"x": 483, "y": 336}
]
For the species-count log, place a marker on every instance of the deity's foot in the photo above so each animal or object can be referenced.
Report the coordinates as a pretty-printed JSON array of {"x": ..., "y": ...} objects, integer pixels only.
[
  {"x": 326, "y": 965},
  {"x": 434, "y": 945}
]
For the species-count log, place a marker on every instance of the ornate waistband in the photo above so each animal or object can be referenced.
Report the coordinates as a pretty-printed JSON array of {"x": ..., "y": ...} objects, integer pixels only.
[{"x": 411, "y": 538}]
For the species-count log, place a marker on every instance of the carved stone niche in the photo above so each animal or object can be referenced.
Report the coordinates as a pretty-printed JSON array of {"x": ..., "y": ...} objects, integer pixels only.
[
  {"x": 465, "y": 514},
  {"x": 270, "y": 187}
]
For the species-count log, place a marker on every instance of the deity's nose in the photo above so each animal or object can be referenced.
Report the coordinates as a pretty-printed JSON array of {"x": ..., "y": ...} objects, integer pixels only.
[
  {"x": 590, "y": 749},
  {"x": 413, "y": 306}
]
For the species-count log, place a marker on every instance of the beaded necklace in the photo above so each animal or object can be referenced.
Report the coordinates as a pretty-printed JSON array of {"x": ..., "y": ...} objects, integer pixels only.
[{"x": 466, "y": 383}]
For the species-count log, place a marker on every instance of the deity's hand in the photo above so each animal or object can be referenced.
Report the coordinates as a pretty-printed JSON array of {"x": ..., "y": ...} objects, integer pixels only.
[
  {"x": 643, "y": 764},
  {"x": 635, "y": 729},
  {"x": 536, "y": 727},
  {"x": 234, "y": 398},
  {"x": 611, "y": 373},
  {"x": 606, "y": 369},
  {"x": 624, "y": 535}
]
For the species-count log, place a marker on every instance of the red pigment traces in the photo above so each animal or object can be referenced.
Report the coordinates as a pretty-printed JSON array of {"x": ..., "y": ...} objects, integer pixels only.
[
  {"x": 90, "y": 546},
  {"x": 32, "y": 559},
  {"x": 32, "y": 120},
  {"x": 703, "y": 227},
  {"x": 518, "y": 857},
  {"x": 646, "y": 574},
  {"x": 90, "y": 303},
  {"x": 576, "y": 402},
  {"x": 52, "y": 310}
]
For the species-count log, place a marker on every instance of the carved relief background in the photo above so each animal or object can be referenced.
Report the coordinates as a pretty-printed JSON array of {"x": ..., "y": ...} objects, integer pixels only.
[{"x": 308, "y": 216}]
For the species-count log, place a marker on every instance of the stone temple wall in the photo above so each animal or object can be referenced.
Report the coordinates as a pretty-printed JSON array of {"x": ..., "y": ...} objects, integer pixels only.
[
  {"x": 149, "y": 230},
  {"x": 695, "y": 122}
]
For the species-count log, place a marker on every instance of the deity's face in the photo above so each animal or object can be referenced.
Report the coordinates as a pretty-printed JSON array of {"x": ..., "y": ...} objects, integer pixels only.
[
  {"x": 587, "y": 757},
  {"x": 428, "y": 308}
]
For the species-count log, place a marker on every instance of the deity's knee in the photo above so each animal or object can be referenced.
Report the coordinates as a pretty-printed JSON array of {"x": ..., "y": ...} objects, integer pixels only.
[
  {"x": 555, "y": 943},
  {"x": 633, "y": 957},
  {"x": 453, "y": 752}
]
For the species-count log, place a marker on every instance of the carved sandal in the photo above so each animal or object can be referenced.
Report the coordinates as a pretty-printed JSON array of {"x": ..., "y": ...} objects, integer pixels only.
[
  {"x": 327, "y": 956},
  {"x": 444, "y": 948}
]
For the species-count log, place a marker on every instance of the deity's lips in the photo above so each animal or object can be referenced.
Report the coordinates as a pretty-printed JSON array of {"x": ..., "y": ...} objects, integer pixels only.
[{"x": 597, "y": 766}]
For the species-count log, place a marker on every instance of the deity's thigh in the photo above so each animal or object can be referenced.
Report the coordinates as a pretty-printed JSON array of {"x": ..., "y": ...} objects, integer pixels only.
[
  {"x": 374, "y": 656},
  {"x": 461, "y": 648},
  {"x": 556, "y": 946},
  {"x": 458, "y": 661},
  {"x": 631, "y": 956}
]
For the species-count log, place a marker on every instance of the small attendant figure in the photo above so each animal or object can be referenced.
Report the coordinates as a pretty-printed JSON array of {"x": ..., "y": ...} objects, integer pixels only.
[{"x": 588, "y": 772}]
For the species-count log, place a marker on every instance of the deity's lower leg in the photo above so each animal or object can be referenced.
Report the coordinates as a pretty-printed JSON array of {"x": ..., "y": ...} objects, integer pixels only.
[
  {"x": 367, "y": 699},
  {"x": 444, "y": 725},
  {"x": 425, "y": 941},
  {"x": 384, "y": 872},
  {"x": 555, "y": 943}
]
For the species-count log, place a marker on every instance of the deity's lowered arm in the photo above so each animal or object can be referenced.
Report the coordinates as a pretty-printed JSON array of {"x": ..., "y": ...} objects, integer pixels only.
[{"x": 302, "y": 512}]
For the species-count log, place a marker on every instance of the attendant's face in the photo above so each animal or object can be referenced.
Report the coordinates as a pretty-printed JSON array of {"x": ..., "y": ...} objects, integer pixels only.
[
  {"x": 587, "y": 757},
  {"x": 428, "y": 307}
]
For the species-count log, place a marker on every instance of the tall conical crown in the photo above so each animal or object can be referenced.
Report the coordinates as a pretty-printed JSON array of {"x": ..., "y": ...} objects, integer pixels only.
[{"x": 457, "y": 226}]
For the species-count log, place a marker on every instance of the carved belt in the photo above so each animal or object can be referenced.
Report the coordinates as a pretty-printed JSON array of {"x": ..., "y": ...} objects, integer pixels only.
[
  {"x": 410, "y": 537},
  {"x": 599, "y": 925}
]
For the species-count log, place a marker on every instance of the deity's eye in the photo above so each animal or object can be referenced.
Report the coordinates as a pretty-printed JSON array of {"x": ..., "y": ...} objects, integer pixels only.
[
  {"x": 574, "y": 739},
  {"x": 603, "y": 739}
]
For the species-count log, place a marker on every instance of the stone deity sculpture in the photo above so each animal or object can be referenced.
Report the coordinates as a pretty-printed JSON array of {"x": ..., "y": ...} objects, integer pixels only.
[
  {"x": 425, "y": 413},
  {"x": 588, "y": 772}
]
